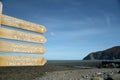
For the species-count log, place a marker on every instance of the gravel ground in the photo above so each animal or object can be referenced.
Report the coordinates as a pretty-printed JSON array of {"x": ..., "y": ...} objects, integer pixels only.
[
  {"x": 52, "y": 72},
  {"x": 82, "y": 74}
]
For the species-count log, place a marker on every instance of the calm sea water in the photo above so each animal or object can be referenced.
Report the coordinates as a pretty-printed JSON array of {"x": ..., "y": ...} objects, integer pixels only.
[
  {"x": 118, "y": 60},
  {"x": 80, "y": 63}
]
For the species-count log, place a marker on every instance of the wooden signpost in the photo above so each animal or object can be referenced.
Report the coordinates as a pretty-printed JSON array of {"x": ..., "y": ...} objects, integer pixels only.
[{"x": 11, "y": 34}]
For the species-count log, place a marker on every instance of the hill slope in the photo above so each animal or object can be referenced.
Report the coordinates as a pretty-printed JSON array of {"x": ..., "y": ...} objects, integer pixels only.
[{"x": 109, "y": 54}]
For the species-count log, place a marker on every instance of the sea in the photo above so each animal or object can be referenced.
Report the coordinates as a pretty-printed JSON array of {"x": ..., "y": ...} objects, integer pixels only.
[{"x": 83, "y": 63}]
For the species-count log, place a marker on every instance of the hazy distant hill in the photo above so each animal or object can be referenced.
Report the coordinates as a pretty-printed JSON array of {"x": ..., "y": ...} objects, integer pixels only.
[{"x": 109, "y": 54}]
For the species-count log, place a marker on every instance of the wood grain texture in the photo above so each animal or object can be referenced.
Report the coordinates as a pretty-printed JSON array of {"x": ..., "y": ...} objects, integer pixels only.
[
  {"x": 22, "y": 24},
  {"x": 17, "y": 35},
  {"x": 23, "y": 48},
  {"x": 21, "y": 61}
]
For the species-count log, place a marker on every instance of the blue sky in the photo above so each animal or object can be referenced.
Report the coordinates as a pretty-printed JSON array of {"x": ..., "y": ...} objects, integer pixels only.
[{"x": 75, "y": 28}]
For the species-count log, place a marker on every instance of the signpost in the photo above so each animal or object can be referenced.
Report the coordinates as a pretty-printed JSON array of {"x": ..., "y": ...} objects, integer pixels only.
[{"x": 11, "y": 47}]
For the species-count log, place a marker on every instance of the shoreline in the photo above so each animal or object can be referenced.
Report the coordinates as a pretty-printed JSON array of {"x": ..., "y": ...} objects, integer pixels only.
[{"x": 54, "y": 72}]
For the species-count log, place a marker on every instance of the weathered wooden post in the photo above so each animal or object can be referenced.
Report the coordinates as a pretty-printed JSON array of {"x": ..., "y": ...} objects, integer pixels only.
[{"x": 0, "y": 11}]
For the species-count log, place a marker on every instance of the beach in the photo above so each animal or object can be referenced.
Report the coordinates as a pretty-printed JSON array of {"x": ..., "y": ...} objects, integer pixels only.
[
  {"x": 56, "y": 72},
  {"x": 82, "y": 74}
]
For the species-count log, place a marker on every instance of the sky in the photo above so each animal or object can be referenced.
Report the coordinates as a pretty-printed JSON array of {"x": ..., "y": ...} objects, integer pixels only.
[{"x": 75, "y": 28}]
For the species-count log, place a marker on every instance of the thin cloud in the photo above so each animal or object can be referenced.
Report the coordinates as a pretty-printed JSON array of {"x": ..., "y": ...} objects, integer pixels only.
[
  {"x": 80, "y": 35},
  {"x": 52, "y": 34},
  {"x": 108, "y": 21},
  {"x": 107, "y": 16}
]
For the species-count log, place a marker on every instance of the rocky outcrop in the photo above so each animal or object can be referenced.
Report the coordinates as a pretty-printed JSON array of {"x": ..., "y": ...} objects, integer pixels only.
[
  {"x": 109, "y": 54},
  {"x": 114, "y": 77},
  {"x": 97, "y": 78}
]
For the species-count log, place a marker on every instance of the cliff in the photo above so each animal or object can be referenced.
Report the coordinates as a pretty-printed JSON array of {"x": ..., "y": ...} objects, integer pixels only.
[{"x": 109, "y": 54}]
